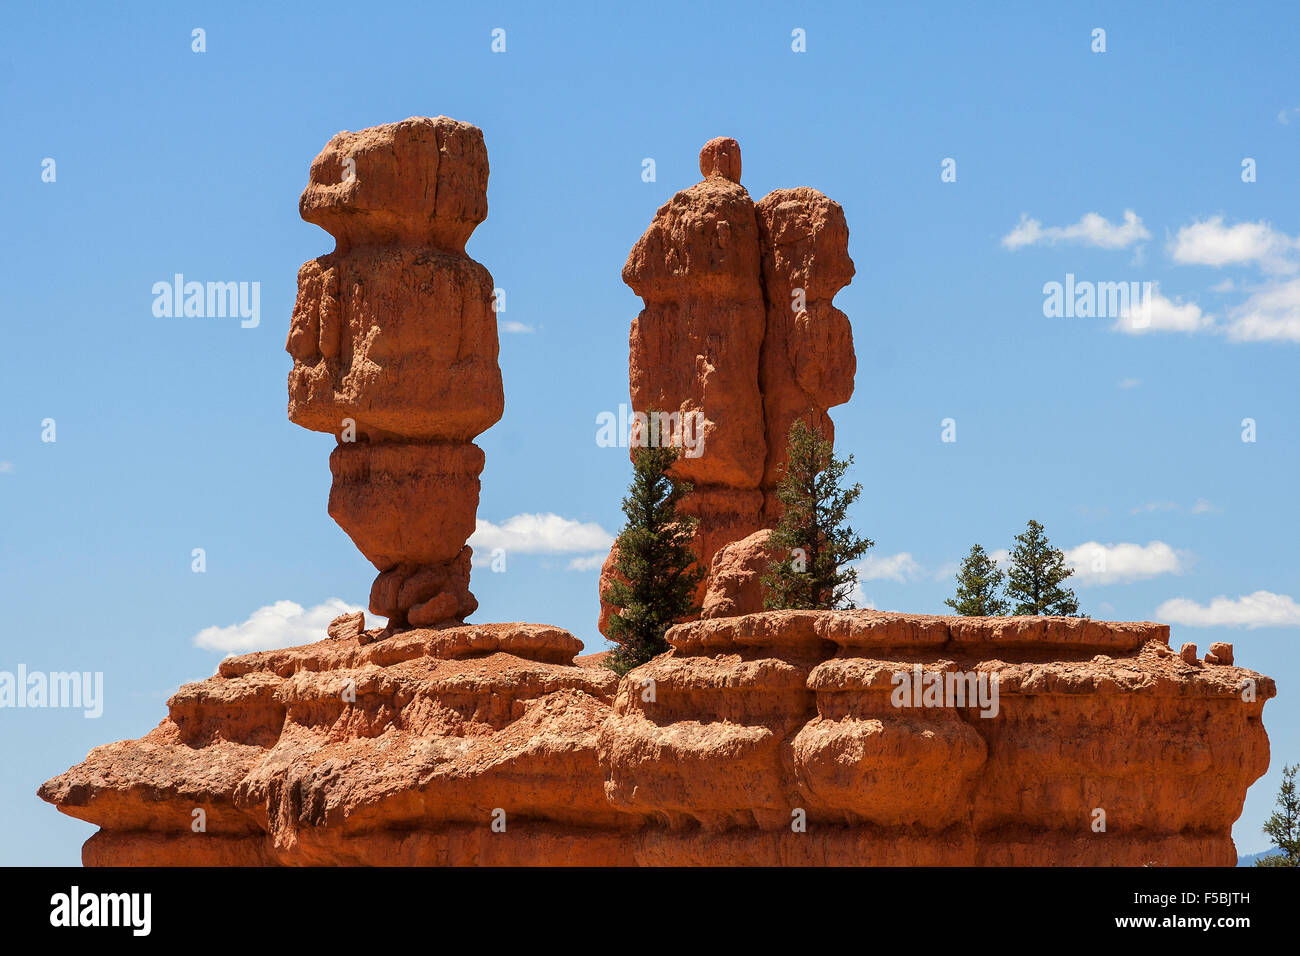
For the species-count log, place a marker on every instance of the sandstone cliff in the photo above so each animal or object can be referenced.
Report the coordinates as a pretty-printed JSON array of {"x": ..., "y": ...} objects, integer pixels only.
[{"x": 771, "y": 738}]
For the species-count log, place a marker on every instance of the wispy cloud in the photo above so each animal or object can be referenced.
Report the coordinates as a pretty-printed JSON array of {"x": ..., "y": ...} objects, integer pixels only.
[
  {"x": 6, "y": 467},
  {"x": 1199, "y": 507},
  {"x": 1260, "y": 609},
  {"x": 899, "y": 567},
  {"x": 515, "y": 328},
  {"x": 1271, "y": 314},
  {"x": 1091, "y": 230},
  {"x": 1153, "y": 506},
  {"x": 588, "y": 562}
]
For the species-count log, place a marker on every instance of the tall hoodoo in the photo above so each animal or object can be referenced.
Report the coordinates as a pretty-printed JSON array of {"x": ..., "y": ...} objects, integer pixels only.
[
  {"x": 739, "y": 336},
  {"x": 394, "y": 342}
]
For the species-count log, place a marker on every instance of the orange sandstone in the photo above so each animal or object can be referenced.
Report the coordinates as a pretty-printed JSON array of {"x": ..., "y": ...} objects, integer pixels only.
[
  {"x": 394, "y": 342},
  {"x": 407, "y": 750},
  {"x": 740, "y": 337}
]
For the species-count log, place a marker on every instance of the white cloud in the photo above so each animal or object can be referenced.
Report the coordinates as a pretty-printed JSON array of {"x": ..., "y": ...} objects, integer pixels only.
[
  {"x": 589, "y": 562},
  {"x": 1130, "y": 383},
  {"x": 1199, "y": 507},
  {"x": 1260, "y": 609},
  {"x": 1155, "y": 313},
  {"x": 1271, "y": 314},
  {"x": 6, "y": 467},
  {"x": 1211, "y": 243},
  {"x": 517, "y": 328},
  {"x": 1227, "y": 285},
  {"x": 282, "y": 624},
  {"x": 540, "y": 534},
  {"x": 1154, "y": 506},
  {"x": 1091, "y": 230},
  {"x": 894, "y": 567},
  {"x": 1284, "y": 116},
  {"x": 1096, "y": 563}
]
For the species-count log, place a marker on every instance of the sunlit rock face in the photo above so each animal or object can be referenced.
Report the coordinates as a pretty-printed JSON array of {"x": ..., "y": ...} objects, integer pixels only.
[
  {"x": 394, "y": 345},
  {"x": 784, "y": 737}
]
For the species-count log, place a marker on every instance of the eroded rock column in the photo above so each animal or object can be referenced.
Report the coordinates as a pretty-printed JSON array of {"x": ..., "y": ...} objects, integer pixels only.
[
  {"x": 740, "y": 337},
  {"x": 694, "y": 349},
  {"x": 394, "y": 343},
  {"x": 808, "y": 363}
]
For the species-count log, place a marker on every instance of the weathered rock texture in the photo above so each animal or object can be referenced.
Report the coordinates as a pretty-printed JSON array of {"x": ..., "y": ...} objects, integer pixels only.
[
  {"x": 408, "y": 750},
  {"x": 808, "y": 362},
  {"x": 735, "y": 583},
  {"x": 394, "y": 342},
  {"x": 739, "y": 337}
]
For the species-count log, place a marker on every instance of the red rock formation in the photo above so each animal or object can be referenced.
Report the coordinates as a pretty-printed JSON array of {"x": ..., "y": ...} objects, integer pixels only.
[
  {"x": 695, "y": 346},
  {"x": 754, "y": 718},
  {"x": 394, "y": 342},
  {"x": 738, "y": 334},
  {"x": 808, "y": 361},
  {"x": 735, "y": 583},
  {"x": 408, "y": 750}
]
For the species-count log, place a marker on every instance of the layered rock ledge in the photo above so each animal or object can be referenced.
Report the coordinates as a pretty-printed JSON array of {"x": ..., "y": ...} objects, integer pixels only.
[{"x": 772, "y": 738}]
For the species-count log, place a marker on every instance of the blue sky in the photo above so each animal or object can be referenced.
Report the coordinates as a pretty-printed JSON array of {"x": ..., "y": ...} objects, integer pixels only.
[{"x": 1114, "y": 167}]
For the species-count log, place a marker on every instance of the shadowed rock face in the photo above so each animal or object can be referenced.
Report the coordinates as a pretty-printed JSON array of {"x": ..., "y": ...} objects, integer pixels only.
[
  {"x": 706, "y": 755},
  {"x": 740, "y": 336},
  {"x": 394, "y": 342}
]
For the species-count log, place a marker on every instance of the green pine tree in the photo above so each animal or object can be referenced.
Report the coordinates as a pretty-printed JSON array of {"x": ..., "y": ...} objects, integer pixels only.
[
  {"x": 978, "y": 582},
  {"x": 655, "y": 560},
  {"x": 814, "y": 541},
  {"x": 1283, "y": 825},
  {"x": 1034, "y": 580}
]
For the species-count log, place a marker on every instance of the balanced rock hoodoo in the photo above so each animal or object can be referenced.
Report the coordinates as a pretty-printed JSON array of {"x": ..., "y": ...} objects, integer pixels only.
[{"x": 394, "y": 342}]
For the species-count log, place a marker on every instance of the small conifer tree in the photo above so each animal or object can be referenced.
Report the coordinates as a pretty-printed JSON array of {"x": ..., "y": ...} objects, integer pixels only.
[
  {"x": 1283, "y": 824},
  {"x": 657, "y": 567},
  {"x": 1034, "y": 579},
  {"x": 978, "y": 582},
  {"x": 813, "y": 546}
]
